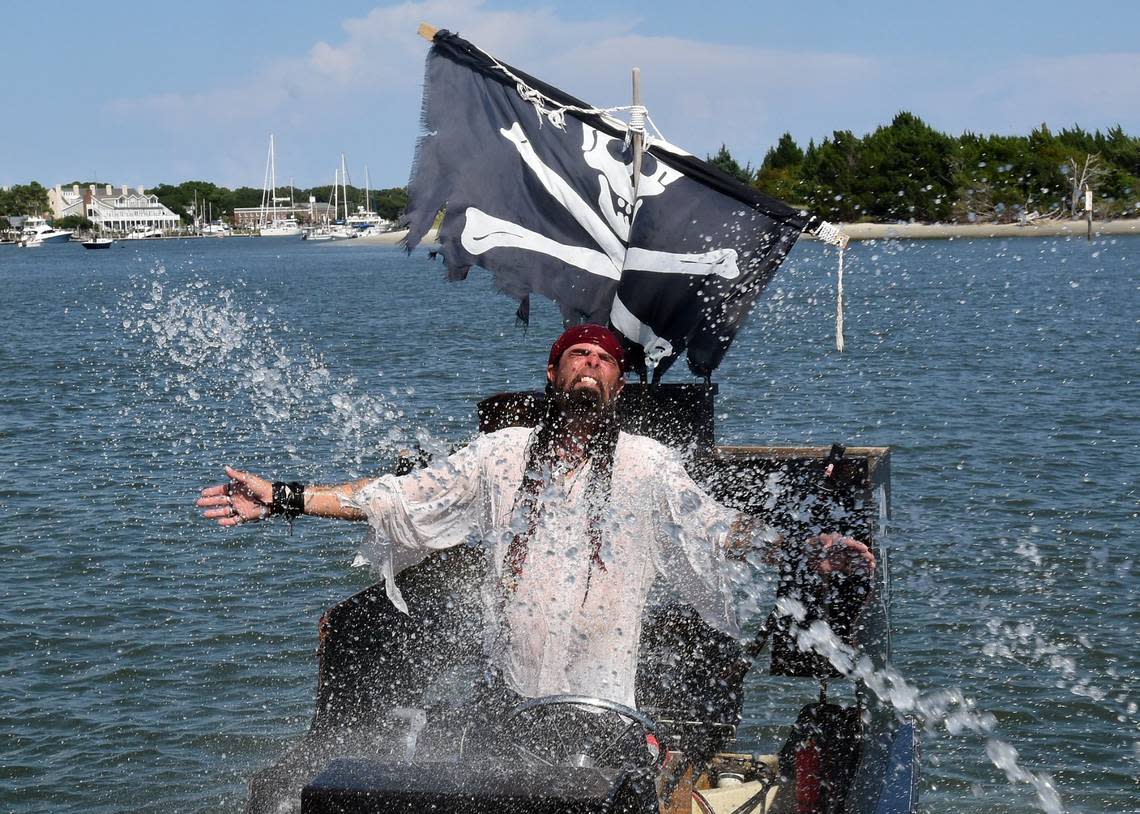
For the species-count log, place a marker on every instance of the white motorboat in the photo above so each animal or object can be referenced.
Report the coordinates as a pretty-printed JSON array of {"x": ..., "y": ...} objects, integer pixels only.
[
  {"x": 98, "y": 243},
  {"x": 37, "y": 231},
  {"x": 143, "y": 233},
  {"x": 215, "y": 230},
  {"x": 342, "y": 228},
  {"x": 366, "y": 222},
  {"x": 327, "y": 234},
  {"x": 282, "y": 227}
]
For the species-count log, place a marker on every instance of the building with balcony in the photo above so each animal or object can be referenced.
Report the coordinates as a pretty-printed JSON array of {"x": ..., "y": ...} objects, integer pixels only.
[{"x": 113, "y": 210}]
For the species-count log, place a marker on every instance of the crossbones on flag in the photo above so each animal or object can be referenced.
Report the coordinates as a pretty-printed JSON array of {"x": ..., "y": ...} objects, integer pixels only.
[{"x": 536, "y": 186}]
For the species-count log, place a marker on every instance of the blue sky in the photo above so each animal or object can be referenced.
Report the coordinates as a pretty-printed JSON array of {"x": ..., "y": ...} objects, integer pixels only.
[{"x": 144, "y": 93}]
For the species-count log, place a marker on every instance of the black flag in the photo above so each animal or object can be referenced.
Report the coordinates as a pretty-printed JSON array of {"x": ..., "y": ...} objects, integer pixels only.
[{"x": 537, "y": 188}]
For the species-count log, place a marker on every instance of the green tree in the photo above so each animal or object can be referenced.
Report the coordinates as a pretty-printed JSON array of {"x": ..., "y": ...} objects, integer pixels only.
[
  {"x": 24, "y": 199},
  {"x": 74, "y": 222},
  {"x": 779, "y": 173},
  {"x": 390, "y": 203},
  {"x": 831, "y": 174},
  {"x": 724, "y": 161},
  {"x": 907, "y": 171}
]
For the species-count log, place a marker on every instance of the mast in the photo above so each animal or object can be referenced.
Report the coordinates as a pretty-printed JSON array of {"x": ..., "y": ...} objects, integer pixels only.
[
  {"x": 265, "y": 185},
  {"x": 344, "y": 184},
  {"x": 638, "y": 133},
  {"x": 273, "y": 178},
  {"x": 367, "y": 200}
]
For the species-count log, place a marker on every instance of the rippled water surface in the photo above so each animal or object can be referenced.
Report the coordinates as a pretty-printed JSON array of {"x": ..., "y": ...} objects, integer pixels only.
[{"x": 150, "y": 662}]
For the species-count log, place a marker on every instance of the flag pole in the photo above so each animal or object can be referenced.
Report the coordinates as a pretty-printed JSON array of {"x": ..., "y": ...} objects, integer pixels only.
[{"x": 638, "y": 133}]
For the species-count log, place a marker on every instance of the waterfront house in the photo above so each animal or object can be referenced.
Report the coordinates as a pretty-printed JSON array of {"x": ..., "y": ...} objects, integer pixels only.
[{"x": 113, "y": 210}]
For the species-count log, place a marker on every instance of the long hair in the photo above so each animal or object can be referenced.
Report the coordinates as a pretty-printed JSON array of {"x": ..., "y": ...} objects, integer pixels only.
[{"x": 541, "y": 457}]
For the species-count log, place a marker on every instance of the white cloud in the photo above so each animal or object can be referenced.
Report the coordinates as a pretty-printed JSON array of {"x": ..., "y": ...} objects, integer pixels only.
[{"x": 361, "y": 93}]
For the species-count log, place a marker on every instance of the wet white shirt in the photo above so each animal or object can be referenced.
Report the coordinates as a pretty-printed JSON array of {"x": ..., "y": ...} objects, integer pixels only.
[{"x": 551, "y": 635}]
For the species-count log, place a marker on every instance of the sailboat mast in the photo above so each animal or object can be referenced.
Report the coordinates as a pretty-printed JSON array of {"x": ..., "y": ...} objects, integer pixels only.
[
  {"x": 265, "y": 184},
  {"x": 272, "y": 180},
  {"x": 344, "y": 183},
  {"x": 638, "y": 136}
]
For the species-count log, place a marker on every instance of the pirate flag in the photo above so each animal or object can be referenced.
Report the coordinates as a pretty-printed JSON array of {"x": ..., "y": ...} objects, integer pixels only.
[{"x": 536, "y": 187}]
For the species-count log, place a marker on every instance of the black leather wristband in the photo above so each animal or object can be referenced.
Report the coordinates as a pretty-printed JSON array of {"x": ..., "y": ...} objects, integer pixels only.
[{"x": 288, "y": 499}]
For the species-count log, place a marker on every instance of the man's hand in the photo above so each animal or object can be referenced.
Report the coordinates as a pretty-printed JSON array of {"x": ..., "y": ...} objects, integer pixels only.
[
  {"x": 246, "y": 498},
  {"x": 836, "y": 554}
]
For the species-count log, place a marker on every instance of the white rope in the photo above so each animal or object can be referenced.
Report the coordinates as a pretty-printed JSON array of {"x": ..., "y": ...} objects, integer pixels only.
[
  {"x": 832, "y": 235},
  {"x": 544, "y": 106},
  {"x": 839, "y": 304},
  {"x": 555, "y": 113},
  {"x": 637, "y": 114}
]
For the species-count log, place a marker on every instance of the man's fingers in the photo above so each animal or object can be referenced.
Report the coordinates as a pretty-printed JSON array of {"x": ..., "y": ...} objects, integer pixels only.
[
  {"x": 214, "y": 500},
  {"x": 211, "y": 491},
  {"x": 843, "y": 554}
]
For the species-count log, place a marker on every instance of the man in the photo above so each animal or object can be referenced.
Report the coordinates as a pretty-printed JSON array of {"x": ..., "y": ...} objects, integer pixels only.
[{"x": 580, "y": 521}]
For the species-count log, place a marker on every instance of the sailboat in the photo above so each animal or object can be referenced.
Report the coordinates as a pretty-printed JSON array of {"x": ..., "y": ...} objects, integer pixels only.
[
  {"x": 271, "y": 224},
  {"x": 338, "y": 229},
  {"x": 364, "y": 220}
]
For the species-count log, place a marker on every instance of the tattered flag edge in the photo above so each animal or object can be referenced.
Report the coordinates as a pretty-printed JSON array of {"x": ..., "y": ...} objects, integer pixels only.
[{"x": 453, "y": 47}]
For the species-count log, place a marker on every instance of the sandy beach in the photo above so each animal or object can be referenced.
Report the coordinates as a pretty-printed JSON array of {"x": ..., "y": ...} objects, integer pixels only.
[
  {"x": 900, "y": 231},
  {"x": 975, "y": 231}
]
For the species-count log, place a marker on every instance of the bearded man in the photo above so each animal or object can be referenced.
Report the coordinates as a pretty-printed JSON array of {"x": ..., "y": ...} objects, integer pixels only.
[{"x": 580, "y": 520}]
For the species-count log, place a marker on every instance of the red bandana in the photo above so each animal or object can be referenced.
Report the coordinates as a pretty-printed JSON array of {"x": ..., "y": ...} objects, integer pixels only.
[{"x": 597, "y": 335}]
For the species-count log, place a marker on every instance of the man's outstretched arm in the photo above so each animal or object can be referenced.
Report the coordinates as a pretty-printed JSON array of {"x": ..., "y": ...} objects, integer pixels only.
[
  {"x": 247, "y": 498},
  {"x": 825, "y": 553}
]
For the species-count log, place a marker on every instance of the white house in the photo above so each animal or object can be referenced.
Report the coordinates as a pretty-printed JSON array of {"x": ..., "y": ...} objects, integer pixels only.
[{"x": 113, "y": 211}]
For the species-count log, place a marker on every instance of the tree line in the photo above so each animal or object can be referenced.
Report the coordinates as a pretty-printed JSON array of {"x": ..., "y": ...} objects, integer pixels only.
[
  {"x": 213, "y": 200},
  {"x": 907, "y": 170},
  {"x": 903, "y": 171},
  {"x": 23, "y": 199}
]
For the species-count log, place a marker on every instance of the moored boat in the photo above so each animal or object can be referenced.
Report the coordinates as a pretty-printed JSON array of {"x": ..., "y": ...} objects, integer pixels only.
[
  {"x": 143, "y": 233},
  {"x": 98, "y": 243},
  {"x": 37, "y": 232},
  {"x": 272, "y": 223},
  {"x": 216, "y": 230},
  {"x": 280, "y": 227}
]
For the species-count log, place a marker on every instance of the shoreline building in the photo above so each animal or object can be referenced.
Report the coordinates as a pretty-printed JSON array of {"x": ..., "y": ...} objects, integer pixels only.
[
  {"x": 113, "y": 211},
  {"x": 249, "y": 217}
]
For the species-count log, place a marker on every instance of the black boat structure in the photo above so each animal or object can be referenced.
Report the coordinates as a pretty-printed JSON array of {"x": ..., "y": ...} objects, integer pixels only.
[{"x": 393, "y": 728}]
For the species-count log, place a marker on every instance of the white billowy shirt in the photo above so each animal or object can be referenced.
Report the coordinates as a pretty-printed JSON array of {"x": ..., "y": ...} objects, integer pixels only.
[{"x": 552, "y": 634}]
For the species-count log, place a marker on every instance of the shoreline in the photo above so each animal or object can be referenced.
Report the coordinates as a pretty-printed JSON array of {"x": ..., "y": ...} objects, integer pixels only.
[
  {"x": 978, "y": 231},
  {"x": 896, "y": 231}
]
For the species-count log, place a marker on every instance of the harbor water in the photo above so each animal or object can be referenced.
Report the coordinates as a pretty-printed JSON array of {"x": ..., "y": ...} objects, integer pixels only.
[{"x": 150, "y": 661}]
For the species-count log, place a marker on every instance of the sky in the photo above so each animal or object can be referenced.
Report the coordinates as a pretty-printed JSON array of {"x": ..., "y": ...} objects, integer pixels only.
[{"x": 145, "y": 93}]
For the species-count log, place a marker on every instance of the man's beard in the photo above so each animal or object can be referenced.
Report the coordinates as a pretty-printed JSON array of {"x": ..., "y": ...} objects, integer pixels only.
[{"x": 583, "y": 402}]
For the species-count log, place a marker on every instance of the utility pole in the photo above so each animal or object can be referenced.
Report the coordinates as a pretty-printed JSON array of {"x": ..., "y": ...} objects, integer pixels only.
[{"x": 1088, "y": 210}]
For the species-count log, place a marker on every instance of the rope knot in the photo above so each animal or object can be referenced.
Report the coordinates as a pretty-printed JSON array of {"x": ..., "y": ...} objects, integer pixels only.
[{"x": 637, "y": 116}]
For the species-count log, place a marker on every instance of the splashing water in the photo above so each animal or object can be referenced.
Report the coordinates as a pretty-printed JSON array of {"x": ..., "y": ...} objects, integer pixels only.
[
  {"x": 1004, "y": 390},
  {"x": 238, "y": 369}
]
